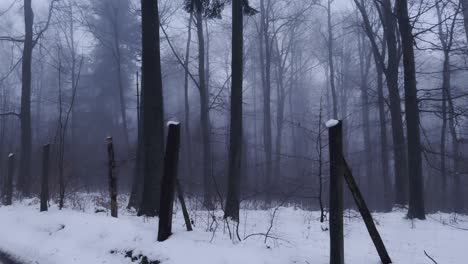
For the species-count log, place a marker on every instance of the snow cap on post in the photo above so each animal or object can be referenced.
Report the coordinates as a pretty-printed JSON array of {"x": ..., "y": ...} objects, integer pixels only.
[
  {"x": 11, "y": 155},
  {"x": 173, "y": 122},
  {"x": 331, "y": 123}
]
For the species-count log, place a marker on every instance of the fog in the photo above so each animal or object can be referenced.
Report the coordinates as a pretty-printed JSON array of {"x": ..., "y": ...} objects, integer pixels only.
[{"x": 86, "y": 85}]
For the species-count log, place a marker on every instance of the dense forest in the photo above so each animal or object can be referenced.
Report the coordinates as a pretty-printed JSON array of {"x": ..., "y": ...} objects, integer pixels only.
[{"x": 91, "y": 90}]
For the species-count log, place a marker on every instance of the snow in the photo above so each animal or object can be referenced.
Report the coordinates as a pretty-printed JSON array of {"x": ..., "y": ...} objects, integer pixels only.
[
  {"x": 82, "y": 236},
  {"x": 173, "y": 123},
  {"x": 331, "y": 123},
  {"x": 11, "y": 155}
]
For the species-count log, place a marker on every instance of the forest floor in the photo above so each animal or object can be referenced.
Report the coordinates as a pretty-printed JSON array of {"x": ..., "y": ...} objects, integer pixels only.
[{"x": 85, "y": 233}]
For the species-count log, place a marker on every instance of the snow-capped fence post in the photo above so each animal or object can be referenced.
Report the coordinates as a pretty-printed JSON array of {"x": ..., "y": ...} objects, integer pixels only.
[
  {"x": 112, "y": 177},
  {"x": 335, "y": 137},
  {"x": 9, "y": 179},
  {"x": 180, "y": 195},
  {"x": 45, "y": 177},
  {"x": 168, "y": 181},
  {"x": 366, "y": 215}
]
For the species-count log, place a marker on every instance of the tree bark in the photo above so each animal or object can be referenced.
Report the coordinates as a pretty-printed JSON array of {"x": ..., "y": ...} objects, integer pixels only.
[
  {"x": 152, "y": 109},
  {"x": 135, "y": 195},
  {"x": 45, "y": 178},
  {"x": 446, "y": 43},
  {"x": 112, "y": 177},
  {"x": 383, "y": 138},
  {"x": 9, "y": 180},
  {"x": 265, "y": 61},
  {"x": 330, "y": 60},
  {"x": 416, "y": 184},
  {"x": 24, "y": 178},
  {"x": 364, "y": 66},
  {"x": 235, "y": 139},
  {"x": 204, "y": 113},
  {"x": 188, "y": 139},
  {"x": 399, "y": 153}
]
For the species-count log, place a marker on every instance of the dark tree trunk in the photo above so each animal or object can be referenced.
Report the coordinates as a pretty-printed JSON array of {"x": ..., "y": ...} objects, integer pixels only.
[
  {"x": 45, "y": 178},
  {"x": 281, "y": 97},
  {"x": 152, "y": 109},
  {"x": 330, "y": 60},
  {"x": 188, "y": 139},
  {"x": 204, "y": 113},
  {"x": 24, "y": 178},
  {"x": 9, "y": 180},
  {"x": 135, "y": 195},
  {"x": 399, "y": 153},
  {"x": 441, "y": 184},
  {"x": 335, "y": 137},
  {"x": 168, "y": 182},
  {"x": 364, "y": 66},
  {"x": 118, "y": 61},
  {"x": 112, "y": 177},
  {"x": 416, "y": 184},
  {"x": 265, "y": 61},
  {"x": 235, "y": 139},
  {"x": 383, "y": 138}
]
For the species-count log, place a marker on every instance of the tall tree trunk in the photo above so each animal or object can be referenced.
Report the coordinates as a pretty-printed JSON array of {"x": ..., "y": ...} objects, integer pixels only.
[
  {"x": 45, "y": 178},
  {"x": 399, "y": 153},
  {"x": 135, "y": 195},
  {"x": 188, "y": 139},
  {"x": 330, "y": 60},
  {"x": 204, "y": 113},
  {"x": 235, "y": 139},
  {"x": 383, "y": 137},
  {"x": 364, "y": 66},
  {"x": 123, "y": 106},
  {"x": 152, "y": 109},
  {"x": 416, "y": 184},
  {"x": 24, "y": 179},
  {"x": 457, "y": 162},
  {"x": 265, "y": 61},
  {"x": 442, "y": 190}
]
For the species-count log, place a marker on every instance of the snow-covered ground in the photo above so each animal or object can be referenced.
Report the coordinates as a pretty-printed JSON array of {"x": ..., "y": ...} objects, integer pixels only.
[{"x": 297, "y": 236}]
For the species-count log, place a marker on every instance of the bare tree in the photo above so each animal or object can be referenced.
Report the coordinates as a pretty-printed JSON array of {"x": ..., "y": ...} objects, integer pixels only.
[{"x": 416, "y": 184}]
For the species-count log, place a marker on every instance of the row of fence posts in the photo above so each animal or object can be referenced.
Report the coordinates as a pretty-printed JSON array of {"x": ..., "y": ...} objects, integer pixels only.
[
  {"x": 339, "y": 170},
  {"x": 169, "y": 183}
]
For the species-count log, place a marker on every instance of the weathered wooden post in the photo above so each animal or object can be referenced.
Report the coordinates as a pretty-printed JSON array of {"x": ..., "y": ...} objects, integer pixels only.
[
  {"x": 168, "y": 181},
  {"x": 9, "y": 179},
  {"x": 112, "y": 177},
  {"x": 335, "y": 138},
  {"x": 180, "y": 195},
  {"x": 366, "y": 215},
  {"x": 45, "y": 178}
]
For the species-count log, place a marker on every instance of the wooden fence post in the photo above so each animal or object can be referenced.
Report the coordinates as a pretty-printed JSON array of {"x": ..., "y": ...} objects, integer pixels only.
[
  {"x": 45, "y": 178},
  {"x": 366, "y": 215},
  {"x": 9, "y": 179},
  {"x": 180, "y": 195},
  {"x": 335, "y": 137},
  {"x": 168, "y": 181},
  {"x": 112, "y": 177}
]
